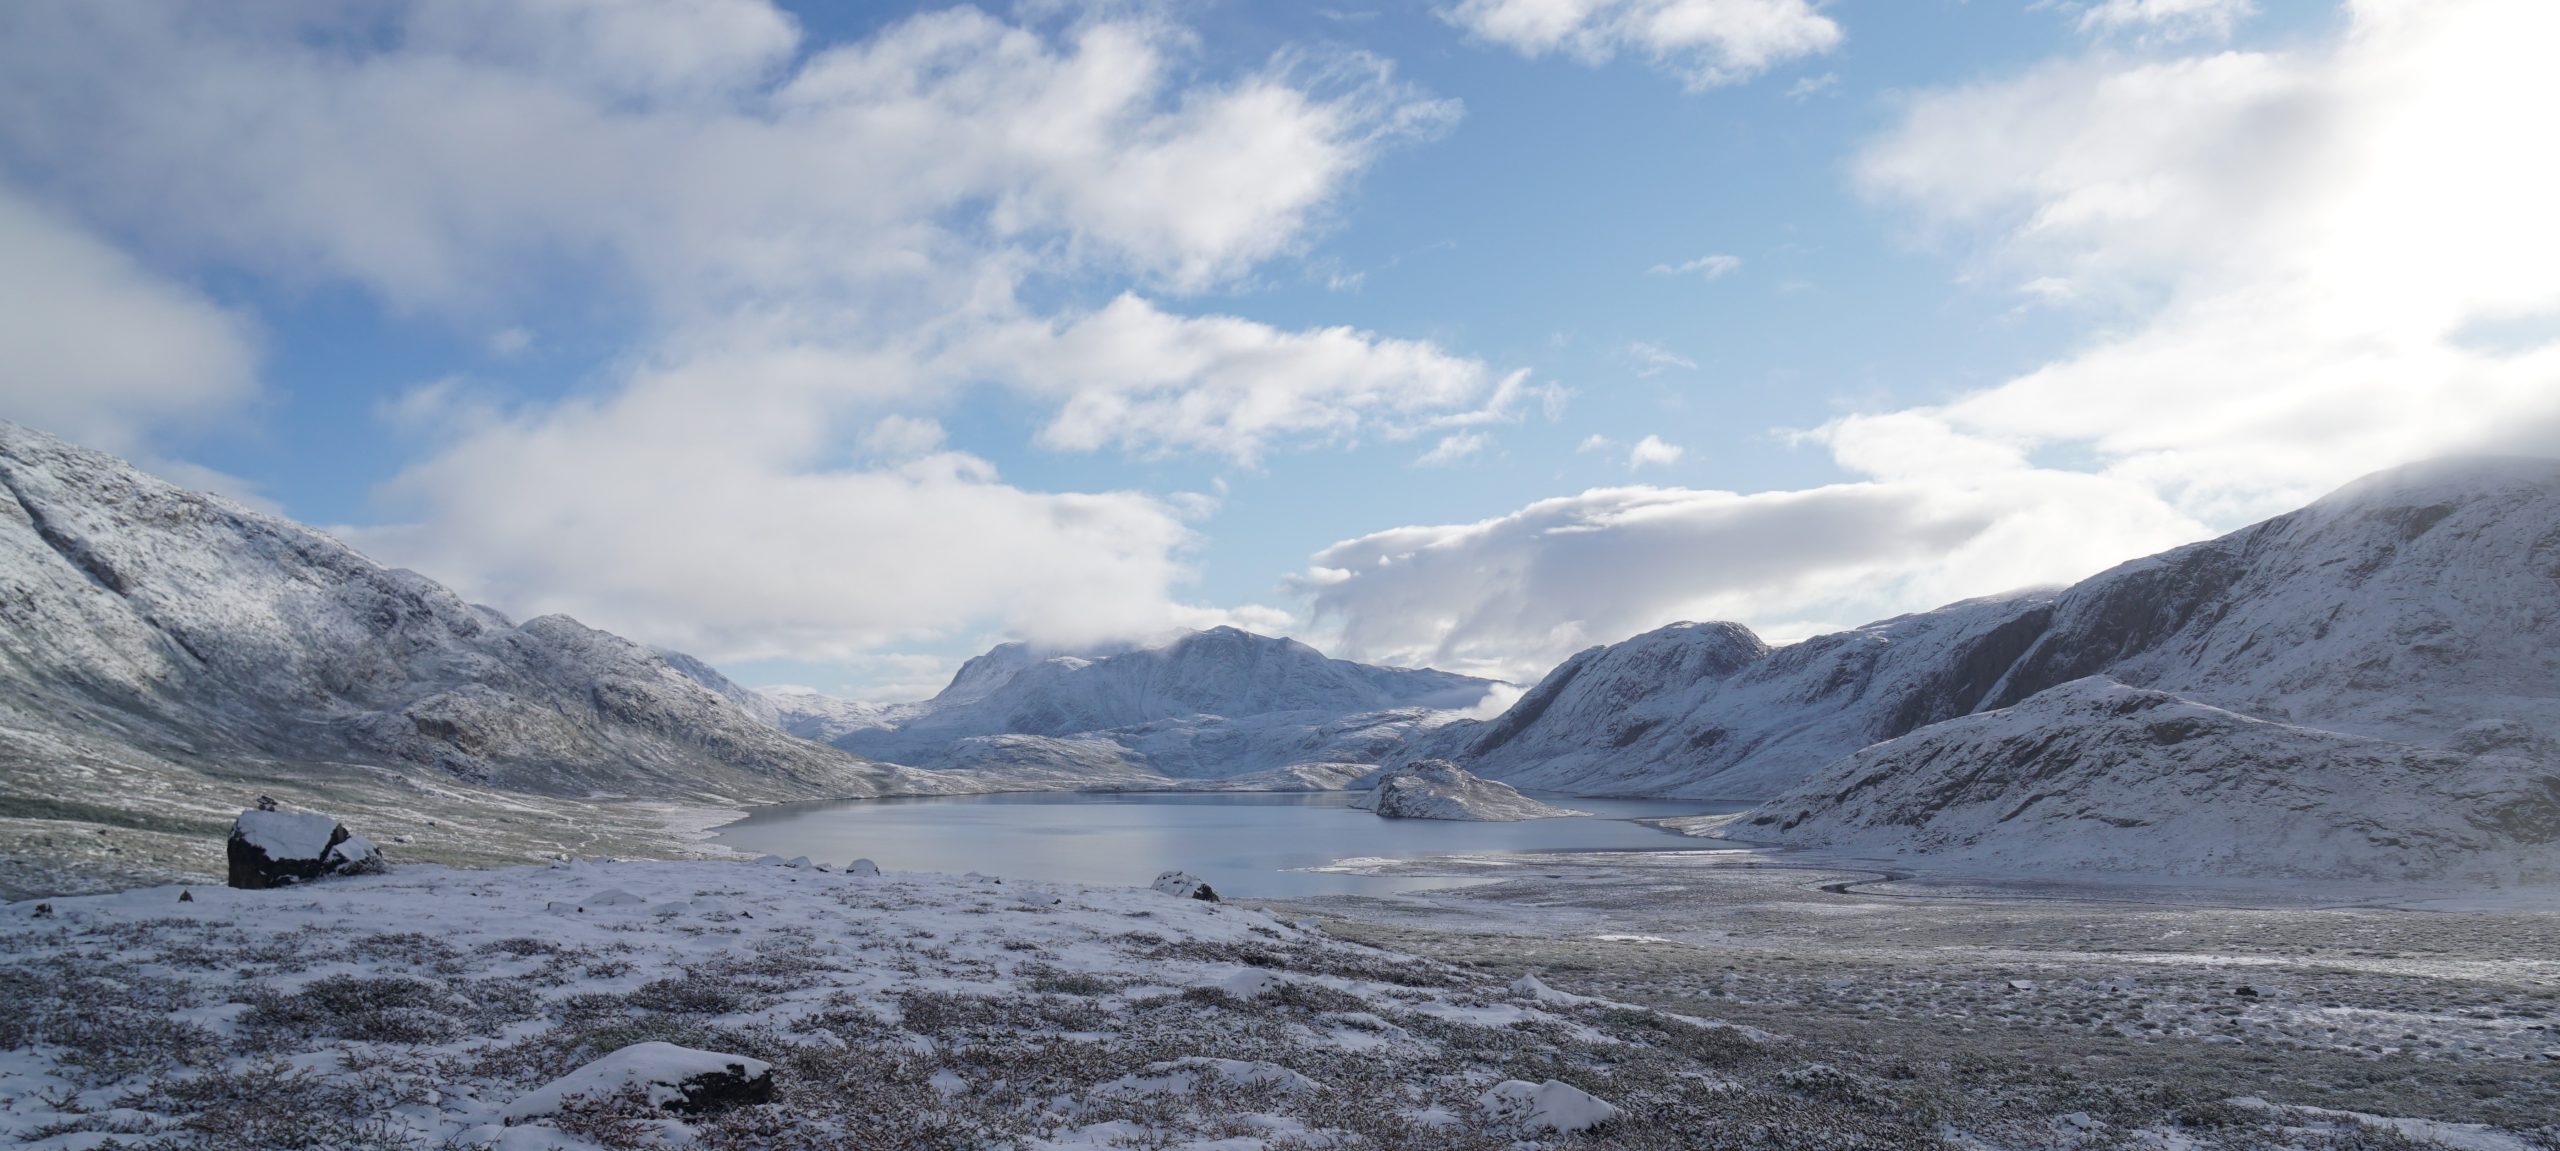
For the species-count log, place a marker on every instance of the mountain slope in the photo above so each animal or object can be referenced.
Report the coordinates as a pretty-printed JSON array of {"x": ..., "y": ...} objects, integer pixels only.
[
  {"x": 1707, "y": 710},
  {"x": 2095, "y": 775},
  {"x": 148, "y": 632},
  {"x": 2417, "y": 606},
  {"x": 1211, "y": 704}
]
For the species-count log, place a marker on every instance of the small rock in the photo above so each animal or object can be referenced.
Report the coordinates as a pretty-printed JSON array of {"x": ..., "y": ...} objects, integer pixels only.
[
  {"x": 799, "y": 862},
  {"x": 862, "y": 867},
  {"x": 1184, "y": 885},
  {"x": 186, "y": 896}
]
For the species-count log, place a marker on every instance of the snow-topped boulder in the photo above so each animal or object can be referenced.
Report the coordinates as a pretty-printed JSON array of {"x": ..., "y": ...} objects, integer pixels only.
[
  {"x": 1554, "y": 1106},
  {"x": 1184, "y": 885},
  {"x": 679, "y": 1079},
  {"x": 1439, "y": 789},
  {"x": 271, "y": 848}
]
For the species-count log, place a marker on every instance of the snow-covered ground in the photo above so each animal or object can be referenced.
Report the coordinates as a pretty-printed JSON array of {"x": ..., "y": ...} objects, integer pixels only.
[{"x": 1673, "y": 1002}]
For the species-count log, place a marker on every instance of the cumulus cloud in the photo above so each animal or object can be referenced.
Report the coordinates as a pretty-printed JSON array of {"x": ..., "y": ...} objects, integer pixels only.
[
  {"x": 1707, "y": 42},
  {"x": 97, "y": 348},
  {"x": 1653, "y": 450},
  {"x": 1135, "y": 376}
]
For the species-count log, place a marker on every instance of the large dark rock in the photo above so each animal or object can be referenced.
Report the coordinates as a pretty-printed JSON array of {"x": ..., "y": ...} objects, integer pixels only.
[{"x": 271, "y": 848}]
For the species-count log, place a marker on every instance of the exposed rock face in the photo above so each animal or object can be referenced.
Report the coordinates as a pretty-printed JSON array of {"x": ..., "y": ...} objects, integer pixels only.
[
  {"x": 2093, "y": 774},
  {"x": 1439, "y": 789},
  {"x": 1214, "y": 704},
  {"x": 678, "y": 1079},
  {"x": 271, "y": 848},
  {"x": 144, "y": 627},
  {"x": 2418, "y": 605}
]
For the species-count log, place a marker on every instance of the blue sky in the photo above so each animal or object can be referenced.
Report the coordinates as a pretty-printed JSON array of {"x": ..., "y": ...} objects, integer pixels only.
[{"x": 819, "y": 340}]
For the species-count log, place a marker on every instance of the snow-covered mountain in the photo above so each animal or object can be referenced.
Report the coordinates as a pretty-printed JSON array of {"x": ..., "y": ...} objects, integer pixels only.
[
  {"x": 1220, "y": 703},
  {"x": 1708, "y": 710},
  {"x": 152, "y": 637},
  {"x": 2367, "y": 686},
  {"x": 2418, "y": 605}
]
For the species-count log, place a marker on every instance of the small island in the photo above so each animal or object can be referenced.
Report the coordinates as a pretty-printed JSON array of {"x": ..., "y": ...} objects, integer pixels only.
[{"x": 1439, "y": 789}]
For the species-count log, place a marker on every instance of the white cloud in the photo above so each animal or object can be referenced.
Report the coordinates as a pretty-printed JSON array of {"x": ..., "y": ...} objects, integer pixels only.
[
  {"x": 99, "y": 349},
  {"x": 1652, "y": 361},
  {"x": 682, "y": 145},
  {"x": 2168, "y": 19},
  {"x": 1512, "y": 595},
  {"x": 2281, "y": 252},
  {"x": 627, "y": 520},
  {"x": 510, "y": 342},
  {"x": 1453, "y": 448},
  {"x": 1707, "y": 42},
  {"x": 1134, "y": 376},
  {"x": 1653, "y": 450},
  {"x": 903, "y": 437},
  {"x": 1714, "y": 266}
]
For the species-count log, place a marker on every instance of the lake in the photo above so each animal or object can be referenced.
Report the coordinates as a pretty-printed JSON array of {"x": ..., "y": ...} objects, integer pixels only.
[{"x": 1243, "y": 843}]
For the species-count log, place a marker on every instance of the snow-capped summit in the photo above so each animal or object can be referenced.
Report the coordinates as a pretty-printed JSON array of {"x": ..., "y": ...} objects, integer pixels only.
[{"x": 1220, "y": 702}]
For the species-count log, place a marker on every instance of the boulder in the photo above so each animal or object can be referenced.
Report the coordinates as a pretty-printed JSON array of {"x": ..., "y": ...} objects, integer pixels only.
[
  {"x": 862, "y": 867},
  {"x": 1184, "y": 885},
  {"x": 273, "y": 848},
  {"x": 1439, "y": 789},
  {"x": 678, "y": 1079}
]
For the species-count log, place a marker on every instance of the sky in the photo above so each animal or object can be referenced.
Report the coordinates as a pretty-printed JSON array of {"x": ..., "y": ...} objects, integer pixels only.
[{"x": 834, "y": 343}]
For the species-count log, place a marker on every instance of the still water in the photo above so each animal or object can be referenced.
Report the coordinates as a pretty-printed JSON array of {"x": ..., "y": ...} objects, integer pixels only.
[{"x": 1243, "y": 843}]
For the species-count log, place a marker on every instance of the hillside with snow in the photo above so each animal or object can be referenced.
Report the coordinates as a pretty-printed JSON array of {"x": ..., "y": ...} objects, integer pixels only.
[
  {"x": 2095, "y": 775},
  {"x": 1216, "y": 704},
  {"x": 2366, "y": 686},
  {"x": 167, "y": 655}
]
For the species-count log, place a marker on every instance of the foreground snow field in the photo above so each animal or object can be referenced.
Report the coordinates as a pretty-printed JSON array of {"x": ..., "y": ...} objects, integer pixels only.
[{"x": 423, "y": 1008}]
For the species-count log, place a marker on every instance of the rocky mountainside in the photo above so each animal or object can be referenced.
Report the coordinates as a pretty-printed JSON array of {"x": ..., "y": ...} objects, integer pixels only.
[
  {"x": 154, "y": 639},
  {"x": 1220, "y": 703},
  {"x": 2419, "y": 605},
  {"x": 2093, "y": 774}
]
